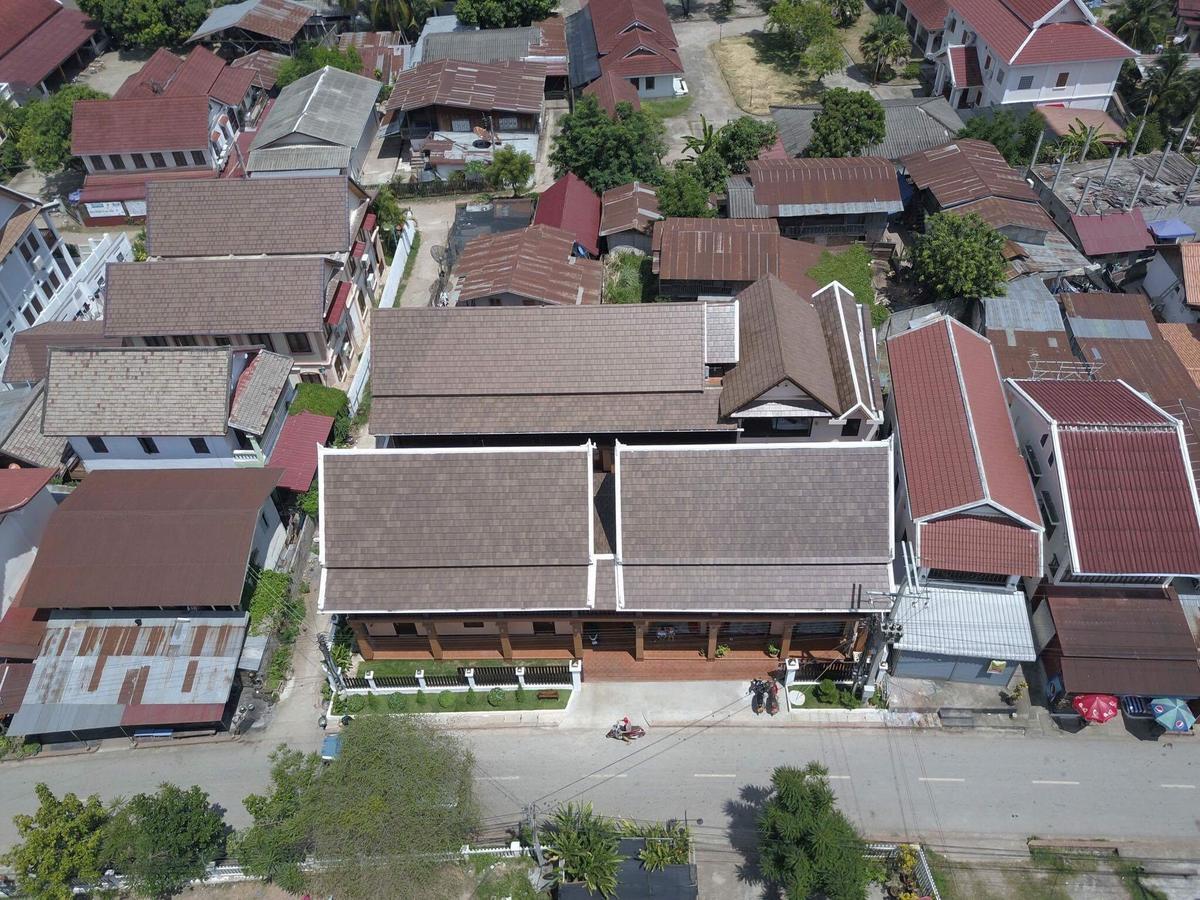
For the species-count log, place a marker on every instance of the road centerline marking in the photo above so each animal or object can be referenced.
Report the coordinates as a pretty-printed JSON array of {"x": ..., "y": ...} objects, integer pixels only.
[
  {"x": 954, "y": 780},
  {"x": 714, "y": 775},
  {"x": 499, "y": 777},
  {"x": 614, "y": 775},
  {"x": 1036, "y": 781},
  {"x": 1185, "y": 787}
]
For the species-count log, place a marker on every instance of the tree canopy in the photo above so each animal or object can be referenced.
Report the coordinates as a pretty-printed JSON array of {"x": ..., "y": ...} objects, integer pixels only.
[
  {"x": 607, "y": 152},
  {"x": 848, "y": 123},
  {"x": 311, "y": 57},
  {"x": 277, "y": 842},
  {"x": 742, "y": 139},
  {"x": 1142, "y": 24},
  {"x": 162, "y": 841},
  {"x": 510, "y": 168},
  {"x": 1014, "y": 136},
  {"x": 60, "y": 843},
  {"x": 407, "y": 16},
  {"x": 147, "y": 23},
  {"x": 44, "y": 134},
  {"x": 886, "y": 43},
  {"x": 959, "y": 256},
  {"x": 807, "y": 846},
  {"x": 799, "y": 24},
  {"x": 503, "y": 13},
  {"x": 681, "y": 193}
]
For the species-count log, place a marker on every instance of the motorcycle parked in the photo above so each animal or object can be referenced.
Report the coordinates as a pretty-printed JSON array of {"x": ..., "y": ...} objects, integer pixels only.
[
  {"x": 772, "y": 699},
  {"x": 626, "y": 731},
  {"x": 758, "y": 690}
]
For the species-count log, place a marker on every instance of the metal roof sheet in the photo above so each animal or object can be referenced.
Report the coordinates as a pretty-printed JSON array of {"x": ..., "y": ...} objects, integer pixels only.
[
  {"x": 980, "y": 624},
  {"x": 330, "y": 105},
  {"x": 911, "y": 124}
]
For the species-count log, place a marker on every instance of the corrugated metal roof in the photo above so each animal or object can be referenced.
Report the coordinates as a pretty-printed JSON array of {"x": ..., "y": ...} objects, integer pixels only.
[
  {"x": 978, "y": 624},
  {"x": 911, "y": 124},
  {"x": 1028, "y": 306},
  {"x": 329, "y": 105}
]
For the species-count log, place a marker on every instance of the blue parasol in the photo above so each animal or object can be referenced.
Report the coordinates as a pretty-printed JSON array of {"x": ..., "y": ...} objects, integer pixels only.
[{"x": 1172, "y": 713}]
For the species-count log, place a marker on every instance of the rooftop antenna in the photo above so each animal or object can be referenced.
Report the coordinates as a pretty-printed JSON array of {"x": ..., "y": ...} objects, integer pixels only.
[
  {"x": 1162, "y": 161},
  {"x": 1083, "y": 196}
]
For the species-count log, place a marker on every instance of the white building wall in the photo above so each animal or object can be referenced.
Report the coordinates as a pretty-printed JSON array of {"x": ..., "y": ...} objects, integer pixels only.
[
  {"x": 174, "y": 453},
  {"x": 269, "y": 536},
  {"x": 1031, "y": 426},
  {"x": 20, "y": 534},
  {"x": 664, "y": 86}
]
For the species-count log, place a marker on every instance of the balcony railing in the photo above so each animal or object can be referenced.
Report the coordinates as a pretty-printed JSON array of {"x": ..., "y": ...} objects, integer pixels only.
[{"x": 249, "y": 459}]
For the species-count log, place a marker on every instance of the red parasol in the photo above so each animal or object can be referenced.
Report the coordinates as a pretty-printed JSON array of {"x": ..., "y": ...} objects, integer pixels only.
[{"x": 1096, "y": 707}]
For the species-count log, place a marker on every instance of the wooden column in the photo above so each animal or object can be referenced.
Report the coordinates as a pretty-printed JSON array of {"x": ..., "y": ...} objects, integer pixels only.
[
  {"x": 714, "y": 630},
  {"x": 577, "y": 638},
  {"x": 505, "y": 643},
  {"x": 639, "y": 640},
  {"x": 435, "y": 646},
  {"x": 362, "y": 639},
  {"x": 785, "y": 640}
]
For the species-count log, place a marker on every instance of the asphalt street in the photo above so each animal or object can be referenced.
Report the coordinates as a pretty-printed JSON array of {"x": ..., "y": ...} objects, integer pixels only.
[{"x": 950, "y": 790}]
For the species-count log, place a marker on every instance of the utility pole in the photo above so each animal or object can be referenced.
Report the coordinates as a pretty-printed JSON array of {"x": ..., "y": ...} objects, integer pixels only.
[
  {"x": 531, "y": 824},
  {"x": 332, "y": 673}
]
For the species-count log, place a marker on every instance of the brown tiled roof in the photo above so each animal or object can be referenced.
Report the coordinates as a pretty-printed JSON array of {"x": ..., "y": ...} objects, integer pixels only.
[
  {"x": 201, "y": 74},
  {"x": 180, "y": 391},
  {"x": 143, "y": 538},
  {"x": 248, "y": 216},
  {"x": 125, "y": 126},
  {"x": 1095, "y": 403},
  {"x": 264, "y": 64},
  {"x": 502, "y": 529},
  {"x": 536, "y": 262},
  {"x": 101, "y": 187},
  {"x": 610, "y": 89},
  {"x": 1184, "y": 340},
  {"x": 215, "y": 296},
  {"x": 966, "y": 170},
  {"x": 1001, "y": 212},
  {"x": 630, "y": 207},
  {"x": 53, "y": 43},
  {"x": 847, "y": 327},
  {"x": 637, "y": 53},
  {"x": 29, "y": 356},
  {"x": 14, "y": 229},
  {"x": 825, "y": 182},
  {"x": 583, "y": 370},
  {"x": 508, "y": 87},
  {"x": 19, "y": 19},
  {"x": 25, "y": 441},
  {"x": 781, "y": 339},
  {"x": 612, "y": 19},
  {"x": 796, "y": 526},
  {"x": 988, "y": 544}
]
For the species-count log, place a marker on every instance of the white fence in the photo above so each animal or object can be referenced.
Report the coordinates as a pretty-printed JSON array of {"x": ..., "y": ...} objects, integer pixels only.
[
  {"x": 404, "y": 241},
  {"x": 359, "y": 385}
]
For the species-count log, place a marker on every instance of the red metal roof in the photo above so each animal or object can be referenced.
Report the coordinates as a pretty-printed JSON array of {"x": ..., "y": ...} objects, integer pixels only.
[
  {"x": 1093, "y": 403},
  {"x": 996, "y": 546},
  {"x": 966, "y": 170},
  {"x": 136, "y": 714},
  {"x": 358, "y": 249},
  {"x": 19, "y": 18},
  {"x": 574, "y": 207},
  {"x": 612, "y": 19},
  {"x": 1063, "y": 42},
  {"x": 956, "y": 438},
  {"x": 1123, "y": 232},
  {"x": 964, "y": 67},
  {"x": 610, "y": 89},
  {"x": 930, "y": 13},
  {"x": 337, "y": 308},
  {"x": 638, "y": 53},
  {"x": 109, "y": 186},
  {"x": 14, "y": 681},
  {"x": 505, "y": 87},
  {"x": 19, "y": 486},
  {"x": 42, "y": 52},
  {"x": 125, "y": 126},
  {"x": 856, "y": 179},
  {"x": 21, "y": 631},
  {"x": 296, "y": 449}
]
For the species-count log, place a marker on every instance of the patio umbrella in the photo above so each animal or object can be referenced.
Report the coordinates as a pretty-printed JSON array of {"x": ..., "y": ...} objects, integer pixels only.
[
  {"x": 1172, "y": 713},
  {"x": 1096, "y": 707}
]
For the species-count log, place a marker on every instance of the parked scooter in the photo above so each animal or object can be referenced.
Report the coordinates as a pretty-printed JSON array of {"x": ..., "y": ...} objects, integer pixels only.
[
  {"x": 758, "y": 691},
  {"x": 772, "y": 699},
  {"x": 626, "y": 731}
]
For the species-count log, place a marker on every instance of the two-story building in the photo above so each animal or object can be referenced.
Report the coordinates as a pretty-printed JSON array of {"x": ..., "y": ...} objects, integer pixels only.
[
  {"x": 634, "y": 40},
  {"x": 966, "y": 518},
  {"x": 43, "y": 278},
  {"x": 998, "y": 52},
  {"x": 167, "y": 408},
  {"x": 452, "y": 113},
  {"x": 174, "y": 118}
]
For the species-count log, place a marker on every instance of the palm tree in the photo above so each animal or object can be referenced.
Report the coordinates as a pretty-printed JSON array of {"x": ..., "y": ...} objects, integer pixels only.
[
  {"x": 846, "y": 12},
  {"x": 397, "y": 15},
  {"x": 886, "y": 43},
  {"x": 697, "y": 144},
  {"x": 1141, "y": 23},
  {"x": 585, "y": 847}
]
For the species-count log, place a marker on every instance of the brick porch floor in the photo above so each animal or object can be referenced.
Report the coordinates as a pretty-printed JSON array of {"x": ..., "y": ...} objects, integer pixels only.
[{"x": 610, "y": 665}]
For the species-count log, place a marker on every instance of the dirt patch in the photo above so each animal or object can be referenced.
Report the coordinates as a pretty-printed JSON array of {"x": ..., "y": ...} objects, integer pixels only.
[
  {"x": 755, "y": 80},
  {"x": 851, "y": 35},
  {"x": 246, "y": 890}
]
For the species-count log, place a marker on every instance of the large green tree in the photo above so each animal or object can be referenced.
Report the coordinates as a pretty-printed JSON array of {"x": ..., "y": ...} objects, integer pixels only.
[
  {"x": 798, "y": 24},
  {"x": 607, "y": 152},
  {"x": 147, "y": 23},
  {"x": 742, "y": 139},
  {"x": 1142, "y": 24},
  {"x": 807, "y": 846},
  {"x": 681, "y": 193},
  {"x": 162, "y": 841},
  {"x": 407, "y": 16},
  {"x": 510, "y": 168},
  {"x": 886, "y": 43},
  {"x": 399, "y": 795},
  {"x": 59, "y": 843},
  {"x": 959, "y": 256},
  {"x": 503, "y": 13},
  {"x": 45, "y": 128},
  {"x": 278, "y": 841},
  {"x": 848, "y": 123},
  {"x": 311, "y": 57},
  {"x": 1014, "y": 136},
  {"x": 587, "y": 846},
  {"x": 12, "y": 118}
]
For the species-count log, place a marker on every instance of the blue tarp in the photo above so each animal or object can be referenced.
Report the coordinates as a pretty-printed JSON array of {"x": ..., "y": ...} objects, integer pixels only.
[{"x": 1171, "y": 229}]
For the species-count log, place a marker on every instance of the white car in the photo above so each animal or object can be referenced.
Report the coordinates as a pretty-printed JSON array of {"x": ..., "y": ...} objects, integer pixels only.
[{"x": 681, "y": 87}]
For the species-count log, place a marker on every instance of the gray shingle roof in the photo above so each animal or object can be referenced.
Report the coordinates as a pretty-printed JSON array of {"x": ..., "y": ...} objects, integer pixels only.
[
  {"x": 138, "y": 392},
  {"x": 330, "y": 105},
  {"x": 721, "y": 341},
  {"x": 27, "y": 357},
  {"x": 755, "y": 527},
  {"x": 489, "y": 46},
  {"x": 540, "y": 369},
  {"x": 248, "y": 216},
  {"x": 258, "y": 390},
  {"x": 489, "y": 529},
  {"x": 911, "y": 124},
  {"x": 294, "y": 157},
  {"x": 23, "y": 439},
  {"x": 215, "y": 296}
]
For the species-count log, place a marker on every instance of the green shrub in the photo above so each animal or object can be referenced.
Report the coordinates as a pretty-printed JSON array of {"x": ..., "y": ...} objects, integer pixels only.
[
  {"x": 495, "y": 697},
  {"x": 472, "y": 697},
  {"x": 325, "y": 401},
  {"x": 397, "y": 702},
  {"x": 421, "y": 698},
  {"x": 722, "y": 650},
  {"x": 847, "y": 700},
  {"x": 356, "y": 703},
  {"x": 912, "y": 69},
  {"x": 826, "y": 691},
  {"x": 271, "y": 605},
  {"x": 446, "y": 699},
  {"x": 339, "y": 706}
]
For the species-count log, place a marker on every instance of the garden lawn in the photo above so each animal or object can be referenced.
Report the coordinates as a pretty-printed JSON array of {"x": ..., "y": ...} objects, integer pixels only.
[
  {"x": 627, "y": 278},
  {"x": 668, "y": 107},
  {"x": 379, "y": 703},
  {"x": 756, "y": 76},
  {"x": 810, "y": 701},
  {"x": 382, "y": 667},
  {"x": 852, "y": 269}
]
